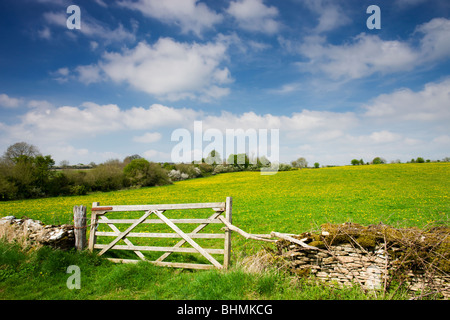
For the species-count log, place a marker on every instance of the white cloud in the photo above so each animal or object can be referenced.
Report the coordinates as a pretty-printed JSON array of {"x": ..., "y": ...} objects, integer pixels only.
[
  {"x": 101, "y": 3},
  {"x": 384, "y": 136},
  {"x": 157, "y": 116},
  {"x": 364, "y": 56},
  {"x": 61, "y": 75},
  {"x": 55, "y": 2},
  {"x": 255, "y": 16},
  {"x": 368, "y": 54},
  {"x": 88, "y": 74},
  {"x": 63, "y": 71},
  {"x": 430, "y": 105},
  {"x": 92, "y": 28},
  {"x": 435, "y": 44},
  {"x": 64, "y": 151},
  {"x": 91, "y": 119},
  {"x": 95, "y": 29},
  {"x": 148, "y": 137},
  {"x": 9, "y": 102},
  {"x": 56, "y": 18},
  {"x": 444, "y": 140},
  {"x": 399, "y": 125},
  {"x": 287, "y": 88},
  {"x": 408, "y": 3},
  {"x": 299, "y": 127},
  {"x": 190, "y": 15},
  {"x": 157, "y": 156},
  {"x": 171, "y": 70},
  {"x": 67, "y": 121},
  {"x": 93, "y": 45},
  {"x": 45, "y": 33},
  {"x": 41, "y": 105},
  {"x": 331, "y": 16}
]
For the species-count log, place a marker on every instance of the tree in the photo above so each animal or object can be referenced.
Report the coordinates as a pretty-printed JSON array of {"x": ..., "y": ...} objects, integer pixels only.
[
  {"x": 262, "y": 162},
  {"x": 420, "y": 160},
  {"x": 64, "y": 163},
  {"x": 299, "y": 163},
  {"x": 213, "y": 158},
  {"x": 316, "y": 165},
  {"x": 355, "y": 162},
  {"x": 107, "y": 176},
  {"x": 240, "y": 161},
  {"x": 378, "y": 160},
  {"x": 128, "y": 159},
  {"x": 144, "y": 173},
  {"x": 137, "y": 171},
  {"x": 42, "y": 170},
  {"x": 20, "y": 149},
  {"x": 31, "y": 175},
  {"x": 24, "y": 172},
  {"x": 8, "y": 189}
]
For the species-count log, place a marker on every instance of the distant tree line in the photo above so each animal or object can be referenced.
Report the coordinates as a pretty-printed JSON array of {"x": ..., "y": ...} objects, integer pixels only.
[
  {"x": 26, "y": 173},
  {"x": 379, "y": 160}
]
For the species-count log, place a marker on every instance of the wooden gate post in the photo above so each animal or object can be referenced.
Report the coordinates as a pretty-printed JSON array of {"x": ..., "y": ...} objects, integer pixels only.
[
  {"x": 79, "y": 218},
  {"x": 227, "y": 245}
]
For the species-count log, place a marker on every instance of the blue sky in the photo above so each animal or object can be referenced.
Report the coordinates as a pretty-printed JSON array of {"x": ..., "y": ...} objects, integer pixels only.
[{"x": 137, "y": 70}]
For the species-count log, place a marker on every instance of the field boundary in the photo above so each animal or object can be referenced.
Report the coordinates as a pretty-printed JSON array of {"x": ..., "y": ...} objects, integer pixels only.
[{"x": 98, "y": 216}]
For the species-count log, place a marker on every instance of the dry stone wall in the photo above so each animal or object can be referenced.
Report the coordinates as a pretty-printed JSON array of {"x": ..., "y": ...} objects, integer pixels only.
[
  {"x": 372, "y": 257},
  {"x": 34, "y": 232},
  {"x": 342, "y": 264}
]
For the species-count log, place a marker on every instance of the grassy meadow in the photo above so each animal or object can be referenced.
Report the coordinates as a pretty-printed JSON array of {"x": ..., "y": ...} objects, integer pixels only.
[
  {"x": 289, "y": 201},
  {"x": 402, "y": 195}
]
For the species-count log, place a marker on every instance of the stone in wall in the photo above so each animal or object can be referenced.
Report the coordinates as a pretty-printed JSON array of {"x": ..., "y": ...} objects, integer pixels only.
[
  {"x": 32, "y": 232},
  {"x": 342, "y": 264},
  {"x": 372, "y": 256}
]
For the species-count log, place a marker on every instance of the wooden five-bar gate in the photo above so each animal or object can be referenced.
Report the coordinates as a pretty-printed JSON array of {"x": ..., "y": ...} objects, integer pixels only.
[{"x": 99, "y": 216}]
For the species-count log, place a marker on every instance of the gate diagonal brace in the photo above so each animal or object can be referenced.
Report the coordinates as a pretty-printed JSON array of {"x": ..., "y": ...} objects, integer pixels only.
[
  {"x": 196, "y": 230},
  {"x": 188, "y": 239},
  {"x": 128, "y": 242},
  {"x": 123, "y": 234}
]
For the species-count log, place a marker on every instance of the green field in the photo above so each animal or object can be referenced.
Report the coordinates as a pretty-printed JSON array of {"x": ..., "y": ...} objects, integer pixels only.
[
  {"x": 292, "y": 201},
  {"x": 401, "y": 195}
]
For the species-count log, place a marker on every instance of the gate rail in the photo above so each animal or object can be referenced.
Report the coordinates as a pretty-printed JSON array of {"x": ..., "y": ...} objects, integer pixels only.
[{"x": 98, "y": 216}]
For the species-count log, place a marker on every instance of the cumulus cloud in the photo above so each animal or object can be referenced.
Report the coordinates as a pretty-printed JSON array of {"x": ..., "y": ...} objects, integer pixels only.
[
  {"x": 331, "y": 16},
  {"x": 169, "y": 69},
  {"x": 155, "y": 155},
  {"x": 157, "y": 116},
  {"x": 255, "y": 16},
  {"x": 393, "y": 125},
  {"x": 190, "y": 15},
  {"x": 384, "y": 136},
  {"x": 9, "y": 102},
  {"x": 306, "y": 121},
  {"x": 435, "y": 43},
  {"x": 91, "y": 28},
  {"x": 368, "y": 54},
  {"x": 91, "y": 119},
  {"x": 431, "y": 104},
  {"x": 89, "y": 74},
  {"x": 40, "y": 104},
  {"x": 148, "y": 137},
  {"x": 408, "y": 3},
  {"x": 362, "y": 57},
  {"x": 45, "y": 33},
  {"x": 61, "y": 75}
]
